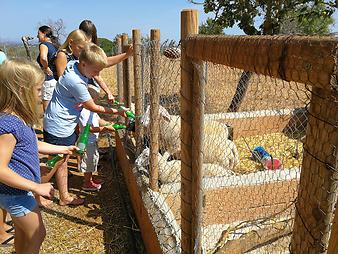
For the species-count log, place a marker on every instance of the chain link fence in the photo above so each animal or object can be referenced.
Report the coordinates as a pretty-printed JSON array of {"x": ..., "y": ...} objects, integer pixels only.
[{"x": 268, "y": 144}]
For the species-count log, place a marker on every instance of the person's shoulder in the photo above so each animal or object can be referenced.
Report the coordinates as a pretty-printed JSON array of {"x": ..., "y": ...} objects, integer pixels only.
[
  {"x": 61, "y": 53},
  {"x": 9, "y": 123}
]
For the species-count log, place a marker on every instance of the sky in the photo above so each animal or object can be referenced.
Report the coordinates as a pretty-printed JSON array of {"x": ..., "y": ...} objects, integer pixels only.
[{"x": 22, "y": 17}]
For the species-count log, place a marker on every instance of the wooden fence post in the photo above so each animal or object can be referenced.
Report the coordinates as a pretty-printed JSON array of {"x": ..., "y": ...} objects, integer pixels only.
[
  {"x": 154, "y": 108},
  {"x": 138, "y": 89},
  {"x": 318, "y": 179},
  {"x": 126, "y": 74},
  {"x": 119, "y": 71},
  {"x": 189, "y": 26}
]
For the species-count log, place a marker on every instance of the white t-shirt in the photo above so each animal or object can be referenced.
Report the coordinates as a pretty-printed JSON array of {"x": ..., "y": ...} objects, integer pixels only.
[{"x": 93, "y": 119}]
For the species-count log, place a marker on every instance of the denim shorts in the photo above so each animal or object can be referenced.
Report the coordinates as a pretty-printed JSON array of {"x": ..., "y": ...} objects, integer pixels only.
[
  {"x": 18, "y": 205},
  {"x": 67, "y": 141}
]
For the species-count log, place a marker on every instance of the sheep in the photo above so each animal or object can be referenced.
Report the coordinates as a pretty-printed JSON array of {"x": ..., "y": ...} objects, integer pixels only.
[
  {"x": 217, "y": 148},
  {"x": 169, "y": 170}
]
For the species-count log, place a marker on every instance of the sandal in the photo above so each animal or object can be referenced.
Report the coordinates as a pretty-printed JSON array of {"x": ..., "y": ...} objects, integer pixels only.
[
  {"x": 75, "y": 202},
  {"x": 11, "y": 229},
  {"x": 8, "y": 242}
]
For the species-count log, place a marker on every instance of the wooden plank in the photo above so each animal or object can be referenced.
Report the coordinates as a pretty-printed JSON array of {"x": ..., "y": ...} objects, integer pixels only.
[
  {"x": 148, "y": 233},
  {"x": 241, "y": 203},
  {"x": 305, "y": 59}
]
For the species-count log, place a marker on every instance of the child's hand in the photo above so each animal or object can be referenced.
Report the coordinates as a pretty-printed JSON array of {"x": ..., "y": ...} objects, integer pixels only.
[
  {"x": 44, "y": 189},
  {"x": 70, "y": 149},
  {"x": 122, "y": 111},
  {"x": 107, "y": 128},
  {"x": 111, "y": 98},
  {"x": 130, "y": 50}
]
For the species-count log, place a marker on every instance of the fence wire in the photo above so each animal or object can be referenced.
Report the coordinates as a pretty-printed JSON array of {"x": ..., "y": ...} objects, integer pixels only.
[
  {"x": 255, "y": 137},
  {"x": 163, "y": 211}
]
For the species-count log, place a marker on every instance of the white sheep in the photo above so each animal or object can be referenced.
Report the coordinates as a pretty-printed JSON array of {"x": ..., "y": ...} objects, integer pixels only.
[
  {"x": 217, "y": 148},
  {"x": 169, "y": 170}
]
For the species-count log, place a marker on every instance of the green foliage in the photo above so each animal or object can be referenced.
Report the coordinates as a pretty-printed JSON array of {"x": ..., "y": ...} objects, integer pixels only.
[
  {"x": 210, "y": 27},
  {"x": 316, "y": 22},
  {"x": 108, "y": 46},
  {"x": 264, "y": 17}
]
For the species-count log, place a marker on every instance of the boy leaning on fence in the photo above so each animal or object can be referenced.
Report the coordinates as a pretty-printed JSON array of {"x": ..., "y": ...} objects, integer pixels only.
[{"x": 62, "y": 114}]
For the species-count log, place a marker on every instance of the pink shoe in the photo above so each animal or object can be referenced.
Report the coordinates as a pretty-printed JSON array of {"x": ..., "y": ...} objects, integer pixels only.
[
  {"x": 97, "y": 180},
  {"x": 91, "y": 186}
]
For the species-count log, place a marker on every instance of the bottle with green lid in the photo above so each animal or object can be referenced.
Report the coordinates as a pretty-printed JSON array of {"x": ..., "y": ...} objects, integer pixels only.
[
  {"x": 118, "y": 126},
  {"x": 83, "y": 139},
  {"x": 51, "y": 163},
  {"x": 128, "y": 113}
]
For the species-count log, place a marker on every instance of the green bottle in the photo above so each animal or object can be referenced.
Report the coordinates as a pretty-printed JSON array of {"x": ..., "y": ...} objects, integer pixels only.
[
  {"x": 51, "y": 163},
  {"x": 116, "y": 102},
  {"x": 118, "y": 126},
  {"x": 83, "y": 139},
  {"x": 129, "y": 113}
]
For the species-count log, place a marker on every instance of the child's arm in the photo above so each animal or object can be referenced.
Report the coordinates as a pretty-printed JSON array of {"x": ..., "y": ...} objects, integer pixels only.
[
  {"x": 103, "y": 127},
  {"x": 60, "y": 63},
  {"x": 105, "y": 88},
  {"x": 112, "y": 60},
  {"x": 12, "y": 179},
  {"x": 91, "y": 106},
  {"x": 46, "y": 148}
]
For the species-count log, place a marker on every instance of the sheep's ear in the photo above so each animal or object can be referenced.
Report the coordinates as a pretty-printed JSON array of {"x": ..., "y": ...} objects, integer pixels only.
[
  {"x": 165, "y": 114},
  {"x": 166, "y": 118}
]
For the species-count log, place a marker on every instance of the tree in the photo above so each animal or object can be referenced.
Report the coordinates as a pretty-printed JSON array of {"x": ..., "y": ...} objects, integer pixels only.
[
  {"x": 293, "y": 23},
  {"x": 107, "y": 45},
  {"x": 210, "y": 27},
  {"x": 58, "y": 27},
  {"x": 262, "y": 18}
]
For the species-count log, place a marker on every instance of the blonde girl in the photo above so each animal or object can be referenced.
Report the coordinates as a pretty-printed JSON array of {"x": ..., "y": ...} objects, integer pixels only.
[
  {"x": 20, "y": 88},
  {"x": 70, "y": 50}
]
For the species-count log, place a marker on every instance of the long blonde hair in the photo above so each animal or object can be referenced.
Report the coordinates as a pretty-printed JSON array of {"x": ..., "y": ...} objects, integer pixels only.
[
  {"x": 76, "y": 36},
  {"x": 18, "y": 78}
]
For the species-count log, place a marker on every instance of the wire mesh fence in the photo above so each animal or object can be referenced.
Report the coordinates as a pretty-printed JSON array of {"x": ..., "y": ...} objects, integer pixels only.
[
  {"x": 253, "y": 191},
  {"x": 268, "y": 147},
  {"x": 162, "y": 213}
]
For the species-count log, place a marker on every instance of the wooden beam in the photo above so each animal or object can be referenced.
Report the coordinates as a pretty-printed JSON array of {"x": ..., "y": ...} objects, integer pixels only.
[
  {"x": 148, "y": 233},
  {"x": 305, "y": 59}
]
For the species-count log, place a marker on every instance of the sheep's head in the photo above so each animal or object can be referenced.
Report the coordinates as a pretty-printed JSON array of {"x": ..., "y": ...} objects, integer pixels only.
[{"x": 164, "y": 115}]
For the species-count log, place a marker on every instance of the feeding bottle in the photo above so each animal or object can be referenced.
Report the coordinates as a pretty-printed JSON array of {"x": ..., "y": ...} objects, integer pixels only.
[
  {"x": 51, "y": 163},
  {"x": 128, "y": 113},
  {"x": 268, "y": 162},
  {"x": 118, "y": 126},
  {"x": 83, "y": 139}
]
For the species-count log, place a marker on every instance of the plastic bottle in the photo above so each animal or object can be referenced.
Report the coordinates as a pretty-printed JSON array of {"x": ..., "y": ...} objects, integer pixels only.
[
  {"x": 83, "y": 139},
  {"x": 118, "y": 126},
  {"x": 129, "y": 113},
  {"x": 51, "y": 163},
  {"x": 268, "y": 162}
]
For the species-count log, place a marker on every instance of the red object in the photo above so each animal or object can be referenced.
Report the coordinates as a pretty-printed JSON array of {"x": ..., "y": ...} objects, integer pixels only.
[{"x": 277, "y": 164}]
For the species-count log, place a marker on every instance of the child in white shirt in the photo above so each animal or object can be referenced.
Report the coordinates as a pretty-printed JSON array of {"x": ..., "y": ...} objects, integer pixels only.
[{"x": 90, "y": 159}]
